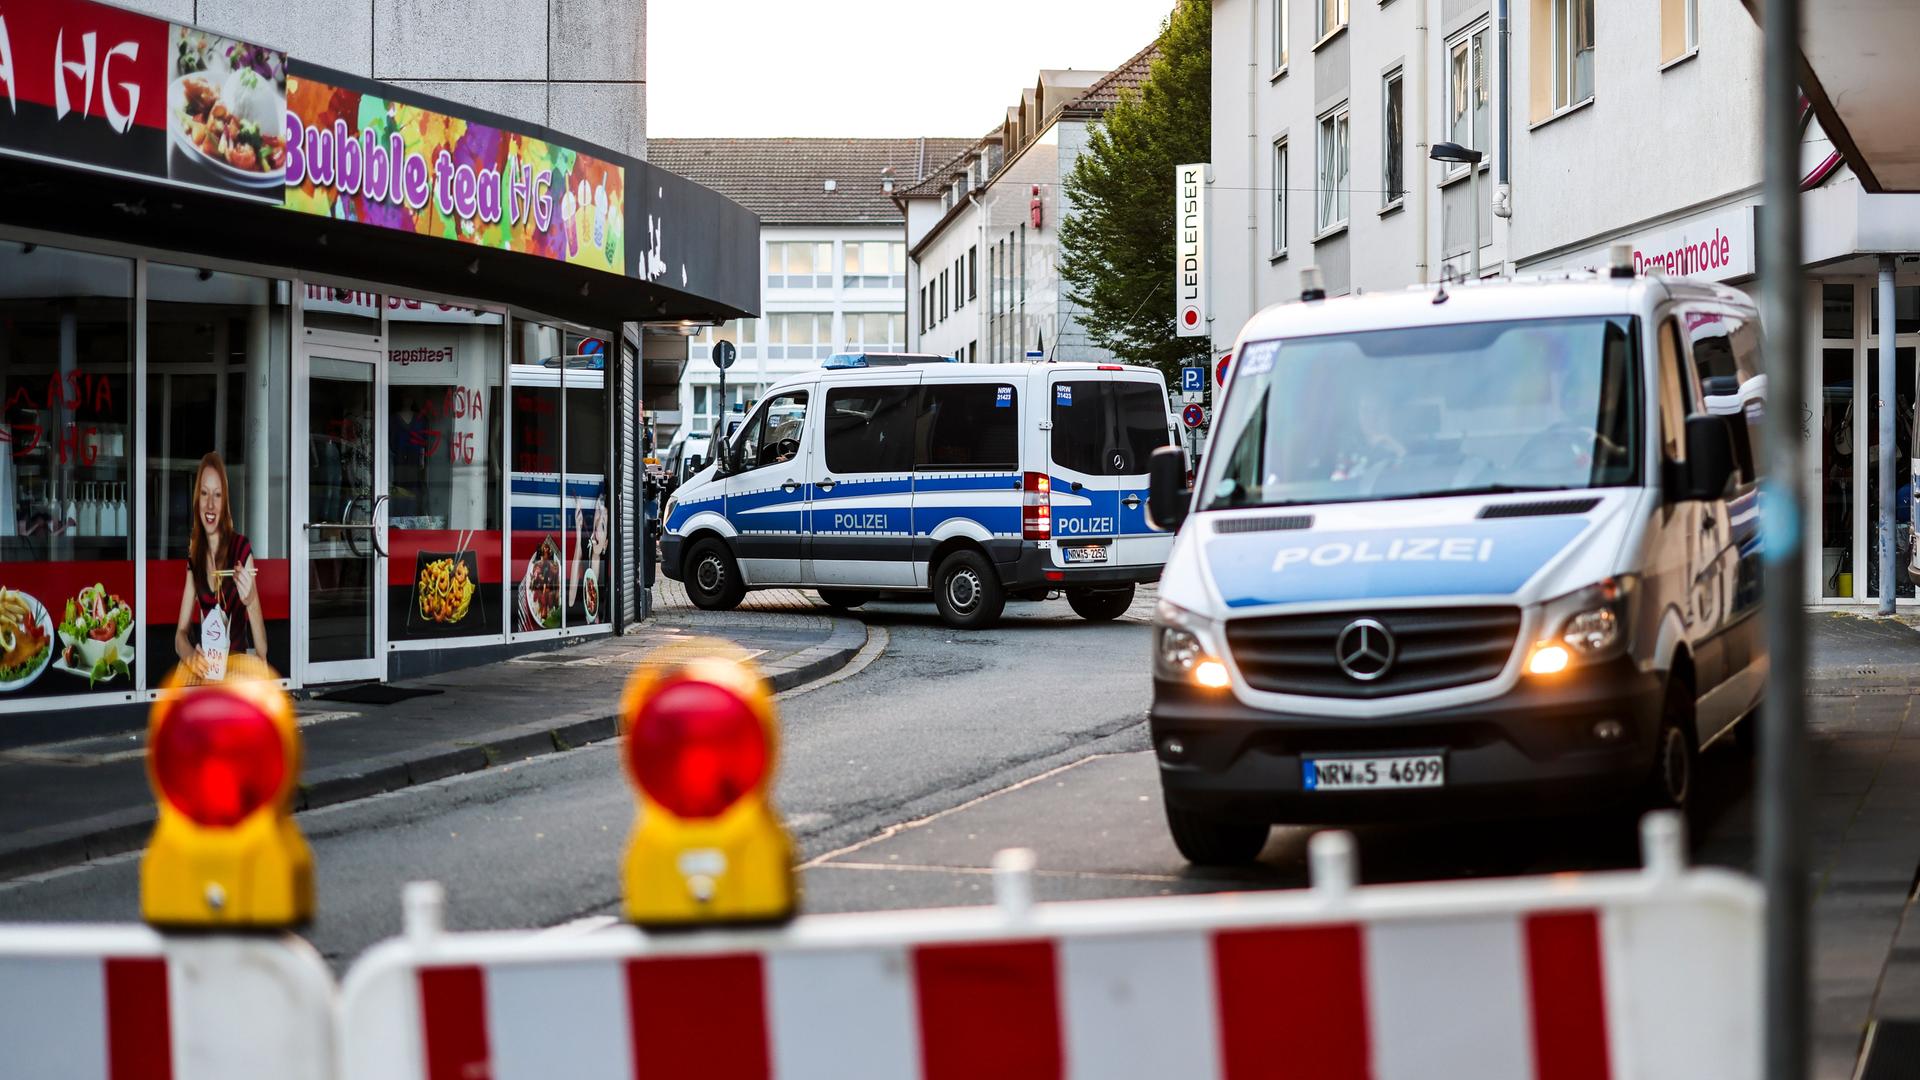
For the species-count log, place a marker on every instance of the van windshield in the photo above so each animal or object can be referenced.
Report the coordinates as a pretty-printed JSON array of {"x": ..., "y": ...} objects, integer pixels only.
[{"x": 1472, "y": 408}]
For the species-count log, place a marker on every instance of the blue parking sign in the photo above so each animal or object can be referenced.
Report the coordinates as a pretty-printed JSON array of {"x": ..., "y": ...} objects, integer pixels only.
[{"x": 1193, "y": 380}]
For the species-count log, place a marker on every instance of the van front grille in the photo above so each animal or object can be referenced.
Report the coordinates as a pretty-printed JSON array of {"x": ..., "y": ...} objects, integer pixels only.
[{"x": 1433, "y": 649}]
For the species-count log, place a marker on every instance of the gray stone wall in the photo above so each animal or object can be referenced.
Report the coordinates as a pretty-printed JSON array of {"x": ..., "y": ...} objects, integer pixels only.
[{"x": 576, "y": 66}]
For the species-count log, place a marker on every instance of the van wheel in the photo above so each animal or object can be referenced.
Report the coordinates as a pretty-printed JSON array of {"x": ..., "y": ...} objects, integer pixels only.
[
  {"x": 1208, "y": 841},
  {"x": 1100, "y": 605},
  {"x": 712, "y": 577},
  {"x": 968, "y": 592},
  {"x": 848, "y": 599},
  {"x": 1675, "y": 759}
]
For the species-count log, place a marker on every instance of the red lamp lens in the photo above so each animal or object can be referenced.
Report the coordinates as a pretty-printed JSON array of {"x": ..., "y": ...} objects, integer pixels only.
[
  {"x": 696, "y": 748},
  {"x": 218, "y": 757}
]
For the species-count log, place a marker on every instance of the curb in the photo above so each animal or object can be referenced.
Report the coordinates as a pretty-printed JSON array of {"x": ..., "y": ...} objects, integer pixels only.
[{"x": 54, "y": 846}]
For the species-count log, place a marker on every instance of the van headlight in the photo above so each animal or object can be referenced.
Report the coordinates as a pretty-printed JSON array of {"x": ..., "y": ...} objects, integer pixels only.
[
  {"x": 1585, "y": 626},
  {"x": 1185, "y": 647}
]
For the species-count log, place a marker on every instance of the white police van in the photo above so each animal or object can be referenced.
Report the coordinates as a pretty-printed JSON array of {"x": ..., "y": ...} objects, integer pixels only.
[
  {"x": 1460, "y": 551},
  {"x": 908, "y": 474}
]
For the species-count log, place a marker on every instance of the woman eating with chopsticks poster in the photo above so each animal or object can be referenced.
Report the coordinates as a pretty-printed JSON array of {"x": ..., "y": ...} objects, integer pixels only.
[{"x": 219, "y": 599}]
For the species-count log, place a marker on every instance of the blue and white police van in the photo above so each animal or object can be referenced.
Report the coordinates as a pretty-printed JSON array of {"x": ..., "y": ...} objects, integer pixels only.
[
  {"x": 883, "y": 474},
  {"x": 1460, "y": 551}
]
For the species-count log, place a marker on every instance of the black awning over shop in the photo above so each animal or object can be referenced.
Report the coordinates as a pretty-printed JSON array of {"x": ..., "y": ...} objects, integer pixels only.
[{"x": 690, "y": 253}]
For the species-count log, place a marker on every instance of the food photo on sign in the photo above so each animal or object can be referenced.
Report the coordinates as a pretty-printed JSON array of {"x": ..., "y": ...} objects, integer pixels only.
[
  {"x": 226, "y": 113},
  {"x": 540, "y": 588}
]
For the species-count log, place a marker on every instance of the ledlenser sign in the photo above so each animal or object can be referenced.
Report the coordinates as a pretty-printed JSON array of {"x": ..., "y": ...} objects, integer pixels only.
[
  {"x": 1190, "y": 251},
  {"x": 354, "y": 156}
]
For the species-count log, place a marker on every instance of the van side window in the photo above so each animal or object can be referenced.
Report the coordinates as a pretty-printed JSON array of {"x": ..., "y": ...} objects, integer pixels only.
[
  {"x": 1723, "y": 387},
  {"x": 774, "y": 435},
  {"x": 870, "y": 429},
  {"x": 1673, "y": 393},
  {"x": 971, "y": 425}
]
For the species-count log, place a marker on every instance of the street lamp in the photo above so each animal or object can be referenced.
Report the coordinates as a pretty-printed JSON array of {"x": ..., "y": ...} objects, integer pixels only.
[{"x": 1460, "y": 155}]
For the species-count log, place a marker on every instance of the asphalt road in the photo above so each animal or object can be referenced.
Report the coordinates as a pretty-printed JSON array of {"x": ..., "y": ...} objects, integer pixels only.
[
  {"x": 899, "y": 780},
  {"x": 936, "y": 719}
]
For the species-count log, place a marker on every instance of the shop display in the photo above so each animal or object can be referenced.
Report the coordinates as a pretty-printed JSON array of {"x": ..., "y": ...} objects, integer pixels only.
[
  {"x": 96, "y": 636},
  {"x": 26, "y": 639},
  {"x": 446, "y": 585},
  {"x": 540, "y": 588}
]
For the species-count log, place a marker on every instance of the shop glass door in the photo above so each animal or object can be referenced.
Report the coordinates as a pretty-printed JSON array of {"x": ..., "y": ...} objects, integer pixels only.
[{"x": 344, "y": 535}]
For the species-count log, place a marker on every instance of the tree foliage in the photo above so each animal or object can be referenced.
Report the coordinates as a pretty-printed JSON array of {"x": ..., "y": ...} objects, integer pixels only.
[{"x": 1117, "y": 247}]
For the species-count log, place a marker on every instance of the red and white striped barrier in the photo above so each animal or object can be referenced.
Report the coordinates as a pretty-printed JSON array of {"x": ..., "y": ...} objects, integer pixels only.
[
  {"x": 1648, "y": 975},
  {"x": 126, "y": 1003}
]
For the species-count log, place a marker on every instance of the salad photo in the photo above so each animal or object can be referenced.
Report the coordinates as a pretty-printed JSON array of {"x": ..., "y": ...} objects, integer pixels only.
[
  {"x": 26, "y": 639},
  {"x": 540, "y": 589},
  {"x": 226, "y": 108},
  {"x": 96, "y": 636}
]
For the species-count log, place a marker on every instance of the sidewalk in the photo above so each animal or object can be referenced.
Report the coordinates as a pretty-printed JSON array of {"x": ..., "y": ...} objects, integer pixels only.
[{"x": 67, "y": 802}]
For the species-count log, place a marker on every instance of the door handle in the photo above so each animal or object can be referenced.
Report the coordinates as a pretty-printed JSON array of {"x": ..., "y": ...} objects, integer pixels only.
[
  {"x": 790, "y": 486},
  {"x": 825, "y": 485},
  {"x": 1131, "y": 502},
  {"x": 373, "y": 529}
]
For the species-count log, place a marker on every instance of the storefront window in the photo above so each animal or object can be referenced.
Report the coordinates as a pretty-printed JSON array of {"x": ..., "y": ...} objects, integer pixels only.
[
  {"x": 1903, "y": 437},
  {"x": 1836, "y": 311},
  {"x": 1906, "y": 309},
  {"x": 1836, "y": 467},
  {"x": 589, "y": 504},
  {"x": 444, "y": 426},
  {"x": 217, "y": 383},
  {"x": 66, "y": 366},
  {"x": 562, "y": 504}
]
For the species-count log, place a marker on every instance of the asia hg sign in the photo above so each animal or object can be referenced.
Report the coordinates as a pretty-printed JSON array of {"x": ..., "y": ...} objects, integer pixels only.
[
  {"x": 111, "y": 90},
  {"x": 1190, "y": 251}
]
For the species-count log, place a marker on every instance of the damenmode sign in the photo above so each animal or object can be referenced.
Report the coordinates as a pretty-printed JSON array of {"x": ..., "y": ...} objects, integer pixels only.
[{"x": 1190, "y": 250}]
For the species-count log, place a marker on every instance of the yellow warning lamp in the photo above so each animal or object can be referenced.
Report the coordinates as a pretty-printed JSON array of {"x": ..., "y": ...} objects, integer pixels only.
[
  {"x": 223, "y": 760},
  {"x": 701, "y": 740}
]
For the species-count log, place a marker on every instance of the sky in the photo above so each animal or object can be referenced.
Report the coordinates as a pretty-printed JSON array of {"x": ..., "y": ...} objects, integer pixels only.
[{"x": 870, "y": 68}]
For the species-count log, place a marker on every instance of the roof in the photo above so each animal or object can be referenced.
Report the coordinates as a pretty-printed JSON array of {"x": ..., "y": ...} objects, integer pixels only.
[
  {"x": 1105, "y": 94},
  {"x": 785, "y": 180},
  {"x": 940, "y": 175}
]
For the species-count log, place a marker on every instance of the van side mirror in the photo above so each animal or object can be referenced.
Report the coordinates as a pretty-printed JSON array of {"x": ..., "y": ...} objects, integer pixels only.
[
  {"x": 1710, "y": 466},
  {"x": 1168, "y": 493}
]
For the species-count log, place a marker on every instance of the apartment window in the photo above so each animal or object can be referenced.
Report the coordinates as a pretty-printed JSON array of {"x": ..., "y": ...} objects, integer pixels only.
[
  {"x": 1393, "y": 178},
  {"x": 1572, "y": 52},
  {"x": 877, "y": 332},
  {"x": 1679, "y": 29},
  {"x": 973, "y": 352},
  {"x": 799, "y": 336},
  {"x": 1333, "y": 16},
  {"x": 744, "y": 333},
  {"x": 1279, "y": 197},
  {"x": 874, "y": 264},
  {"x": 799, "y": 264},
  {"x": 1280, "y": 12},
  {"x": 1333, "y": 179},
  {"x": 1467, "y": 101},
  {"x": 959, "y": 294},
  {"x": 923, "y": 309},
  {"x": 973, "y": 273},
  {"x": 945, "y": 308}
]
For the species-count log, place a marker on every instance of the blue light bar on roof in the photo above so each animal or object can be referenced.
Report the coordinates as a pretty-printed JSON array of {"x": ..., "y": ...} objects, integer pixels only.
[{"x": 842, "y": 361}]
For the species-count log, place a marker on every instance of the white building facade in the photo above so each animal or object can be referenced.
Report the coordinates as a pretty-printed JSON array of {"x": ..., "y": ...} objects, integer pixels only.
[
  {"x": 1631, "y": 121},
  {"x": 833, "y": 266},
  {"x": 982, "y": 231}
]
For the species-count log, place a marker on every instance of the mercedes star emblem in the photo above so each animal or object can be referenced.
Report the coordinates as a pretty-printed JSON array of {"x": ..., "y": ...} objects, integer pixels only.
[{"x": 1364, "y": 650}]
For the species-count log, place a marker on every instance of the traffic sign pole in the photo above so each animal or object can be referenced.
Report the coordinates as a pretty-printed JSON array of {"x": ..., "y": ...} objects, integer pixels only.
[{"x": 724, "y": 354}]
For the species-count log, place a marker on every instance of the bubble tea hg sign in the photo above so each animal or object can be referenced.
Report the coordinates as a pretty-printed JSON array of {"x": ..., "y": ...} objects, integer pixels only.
[{"x": 1190, "y": 250}]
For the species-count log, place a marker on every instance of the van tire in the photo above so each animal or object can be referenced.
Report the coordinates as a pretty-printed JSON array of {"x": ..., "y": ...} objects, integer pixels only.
[
  {"x": 1100, "y": 605},
  {"x": 713, "y": 577},
  {"x": 848, "y": 599},
  {"x": 1209, "y": 841},
  {"x": 968, "y": 592},
  {"x": 1675, "y": 778}
]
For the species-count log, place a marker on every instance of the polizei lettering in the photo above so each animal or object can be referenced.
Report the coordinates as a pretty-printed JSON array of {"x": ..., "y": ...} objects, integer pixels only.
[
  {"x": 858, "y": 522},
  {"x": 1456, "y": 549},
  {"x": 1084, "y": 526}
]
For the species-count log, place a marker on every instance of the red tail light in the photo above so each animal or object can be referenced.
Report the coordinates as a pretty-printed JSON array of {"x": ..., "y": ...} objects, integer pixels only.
[
  {"x": 1036, "y": 509},
  {"x": 1111, "y": 367},
  {"x": 696, "y": 749},
  {"x": 218, "y": 758}
]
